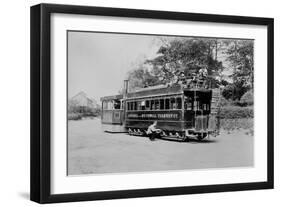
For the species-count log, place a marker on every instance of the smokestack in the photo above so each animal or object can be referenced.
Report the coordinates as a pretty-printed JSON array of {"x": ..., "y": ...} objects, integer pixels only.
[{"x": 125, "y": 89}]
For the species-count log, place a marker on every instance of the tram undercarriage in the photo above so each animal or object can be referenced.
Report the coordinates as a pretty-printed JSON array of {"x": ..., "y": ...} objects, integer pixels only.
[{"x": 184, "y": 136}]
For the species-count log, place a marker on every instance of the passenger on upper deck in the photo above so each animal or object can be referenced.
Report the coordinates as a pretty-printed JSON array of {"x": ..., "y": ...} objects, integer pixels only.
[{"x": 203, "y": 73}]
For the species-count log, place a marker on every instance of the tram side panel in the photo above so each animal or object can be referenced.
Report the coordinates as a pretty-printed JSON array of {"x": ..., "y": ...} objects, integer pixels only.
[{"x": 170, "y": 121}]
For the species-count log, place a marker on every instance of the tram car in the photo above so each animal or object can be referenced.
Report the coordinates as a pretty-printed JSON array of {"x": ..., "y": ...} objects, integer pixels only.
[{"x": 182, "y": 111}]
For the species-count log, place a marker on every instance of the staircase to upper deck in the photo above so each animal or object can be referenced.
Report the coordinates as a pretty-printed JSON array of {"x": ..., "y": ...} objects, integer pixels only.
[
  {"x": 214, "y": 121},
  {"x": 215, "y": 101}
]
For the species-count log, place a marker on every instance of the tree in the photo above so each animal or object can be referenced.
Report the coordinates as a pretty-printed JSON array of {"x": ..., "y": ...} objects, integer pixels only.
[
  {"x": 141, "y": 76},
  {"x": 241, "y": 56},
  {"x": 186, "y": 55}
]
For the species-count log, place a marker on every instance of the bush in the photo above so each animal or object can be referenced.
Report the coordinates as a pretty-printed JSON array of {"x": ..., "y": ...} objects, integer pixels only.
[
  {"x": 224, "y": 102},
  {"x": 234, "y": 91},
  {"x": 236, "y": 112},
  {"x": 247, "y": 98},
  {"x": 231, "y": 125}
]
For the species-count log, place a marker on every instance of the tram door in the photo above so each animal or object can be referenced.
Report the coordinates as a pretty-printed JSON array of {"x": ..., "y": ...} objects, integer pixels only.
[
  {"x": 188, "y": 109},
  {"x": 196, "y": 105}
]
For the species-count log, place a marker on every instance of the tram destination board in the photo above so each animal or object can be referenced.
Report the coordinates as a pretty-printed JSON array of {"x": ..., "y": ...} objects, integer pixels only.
[{"x": 155, "y": 115}]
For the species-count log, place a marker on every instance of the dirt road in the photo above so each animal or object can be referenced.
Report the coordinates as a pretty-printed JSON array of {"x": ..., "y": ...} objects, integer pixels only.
[{"x": 90, "y": 150}]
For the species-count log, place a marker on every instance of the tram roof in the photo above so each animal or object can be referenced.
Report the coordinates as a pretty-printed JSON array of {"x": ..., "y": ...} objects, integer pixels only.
[
  {"x": 156, "y": 90},
  {"x": 163, "y": 90},
  {"x": 114, "y": 97}
]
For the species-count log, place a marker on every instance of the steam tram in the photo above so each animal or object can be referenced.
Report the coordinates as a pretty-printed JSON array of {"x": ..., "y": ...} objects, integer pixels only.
[{"x": 181, "y": 111}]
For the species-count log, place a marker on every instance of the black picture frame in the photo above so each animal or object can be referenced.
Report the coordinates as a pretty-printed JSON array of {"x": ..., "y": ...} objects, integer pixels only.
[{"x": 40, "y": 175}]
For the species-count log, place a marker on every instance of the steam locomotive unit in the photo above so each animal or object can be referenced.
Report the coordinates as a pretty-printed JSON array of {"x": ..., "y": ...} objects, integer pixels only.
[{"x": 182, "y": 110}]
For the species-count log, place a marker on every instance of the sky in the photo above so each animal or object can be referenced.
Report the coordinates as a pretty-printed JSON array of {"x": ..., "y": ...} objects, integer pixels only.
[{"x": 98, "y": 63}]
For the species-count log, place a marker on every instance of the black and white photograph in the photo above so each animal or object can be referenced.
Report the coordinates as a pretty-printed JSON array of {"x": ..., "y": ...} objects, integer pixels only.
[
  {"x": 132, "y": 103},
  {"x": 139, "y": 103}
]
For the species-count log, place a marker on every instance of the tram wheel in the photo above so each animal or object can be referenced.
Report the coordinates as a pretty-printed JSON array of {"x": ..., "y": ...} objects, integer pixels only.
[
  {"x": 201, "y": 136},
  {"x": 130, "y": 131},
  {"x": 186, "y": 138}
]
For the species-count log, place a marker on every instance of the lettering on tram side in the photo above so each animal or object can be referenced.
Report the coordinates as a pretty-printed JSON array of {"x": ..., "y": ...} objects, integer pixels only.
[{"x": 154, "y": 115}]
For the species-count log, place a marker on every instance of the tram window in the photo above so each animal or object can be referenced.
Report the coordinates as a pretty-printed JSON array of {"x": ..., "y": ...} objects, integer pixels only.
[
  {"x": 142, "y": 105},
  {"x": 147, "y": 105},
  {"x": 188, "y": 103},
  {"x": 196, "y": 105},
  {"x": 117, "y": 104},
  {"x": 129, "y": 106},
  {"x": 138, "y": 105},
  {"x": 135, "y": 105},
  {"x": 152, "y": 106},
  {"x": 161, "y": 104},
  {"x": 104, "y": 105},
  {"x": 157, "y": 105},
  {"x": 179, "y": 103},
  {"x": 167, "y": 103},
  {"x": 206, "y": 107},
  {"x": 173, "y": 103},
  {"x": 109, "y": 105}
]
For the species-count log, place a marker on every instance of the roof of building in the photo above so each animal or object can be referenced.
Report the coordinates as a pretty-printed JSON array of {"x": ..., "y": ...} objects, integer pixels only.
[{"x": 82, "y": 99}]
